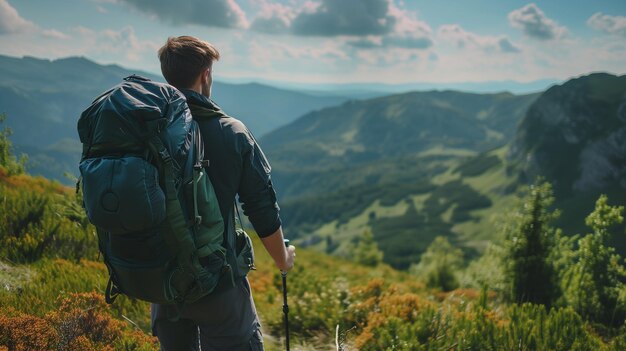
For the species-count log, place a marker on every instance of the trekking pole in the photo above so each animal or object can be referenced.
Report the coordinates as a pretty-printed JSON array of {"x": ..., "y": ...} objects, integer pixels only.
[{"x": 285, "y": 305}]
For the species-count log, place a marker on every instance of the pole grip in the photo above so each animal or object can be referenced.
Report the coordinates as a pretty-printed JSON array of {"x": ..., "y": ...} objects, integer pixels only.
[
  {"x": 286, "y": 241},
  {"x": 285, "y": 305}
]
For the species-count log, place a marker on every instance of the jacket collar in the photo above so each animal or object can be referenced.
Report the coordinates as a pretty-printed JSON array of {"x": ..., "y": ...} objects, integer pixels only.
[
  {"x": 193, "y": 98},
  {"x": 202, "y": 107}
]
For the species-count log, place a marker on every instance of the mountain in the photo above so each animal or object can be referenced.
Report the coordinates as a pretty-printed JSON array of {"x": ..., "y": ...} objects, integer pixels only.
[
  {"x": 413, "y": 166},
  {"x": 374, "y": 89},
  {"x": 393, "y": 165},
  {"x": 574, "y": 135},
  {"x": 44, "y": 98},
  {"x": 376, "y": 132}
]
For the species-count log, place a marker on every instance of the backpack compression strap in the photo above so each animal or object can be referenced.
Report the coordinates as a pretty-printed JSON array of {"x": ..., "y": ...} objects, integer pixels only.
[{"x": 178, "y": 236}]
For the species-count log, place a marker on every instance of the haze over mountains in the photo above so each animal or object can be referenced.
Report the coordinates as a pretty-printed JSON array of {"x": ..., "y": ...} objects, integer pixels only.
[
  {"x": 408, "y": 167},
  {"x": 43, "y": 100}
]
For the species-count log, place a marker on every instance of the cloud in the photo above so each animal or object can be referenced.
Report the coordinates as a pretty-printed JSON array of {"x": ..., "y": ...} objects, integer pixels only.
[
  {"x": 534, "y": 23},
  {"x": 55, "y": 34},
  {"x": 397, "y": 41},
  {"x": 507, "y": 46},
  {"x": 361, "y": 24},
  {"x": 115, "y": 43},
  {"x": 615, "y": 25},
  {"x": 467, "y": 40},
  {"x": 345, "y": 17},
  {"x": 11, "y": 22},
  {"x": 273, "y": 18},
  {"x": 213, "y": 13}
]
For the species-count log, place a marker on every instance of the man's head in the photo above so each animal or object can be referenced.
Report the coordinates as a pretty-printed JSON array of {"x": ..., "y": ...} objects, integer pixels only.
[{"x": 187, "y": 63}]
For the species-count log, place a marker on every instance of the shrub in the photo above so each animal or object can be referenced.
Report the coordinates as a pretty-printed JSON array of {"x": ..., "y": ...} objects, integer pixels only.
[
  {"x": 439, "y": 265},
  {"x": 82, "y": 321},
  {"x": 594, "y": 283},
  {"x": 530, "y": 275},
  {"x": 366, "y": 251}
]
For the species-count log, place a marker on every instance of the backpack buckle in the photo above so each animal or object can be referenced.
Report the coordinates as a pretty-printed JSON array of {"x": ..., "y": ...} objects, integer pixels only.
[{"x": 165, "y": 156}]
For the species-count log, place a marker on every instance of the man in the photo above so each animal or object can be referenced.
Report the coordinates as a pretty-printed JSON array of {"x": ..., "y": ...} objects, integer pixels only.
[{"x": 226, "y": 319}]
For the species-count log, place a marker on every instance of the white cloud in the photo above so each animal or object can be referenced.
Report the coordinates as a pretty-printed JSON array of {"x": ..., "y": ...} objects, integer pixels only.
[
  {"x": 11, "y": 22},
  {"x": 463, "y": 39},
  {"x": 273, "y": 18},
  {"x": 122, "y": 43},
  {"x": 53, "y": 33},
  {"x": 615, "y": 25},
  {"x": 535, "y": 24}
]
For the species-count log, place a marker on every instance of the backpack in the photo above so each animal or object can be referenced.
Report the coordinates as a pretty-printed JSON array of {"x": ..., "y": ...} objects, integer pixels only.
[{"x": 145, "y": 187}]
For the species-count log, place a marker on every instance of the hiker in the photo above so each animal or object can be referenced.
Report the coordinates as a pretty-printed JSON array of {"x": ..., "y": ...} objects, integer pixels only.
[{"x": 225, "y": 319}]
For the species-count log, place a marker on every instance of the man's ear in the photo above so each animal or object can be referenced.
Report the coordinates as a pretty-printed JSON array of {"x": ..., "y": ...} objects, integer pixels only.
[{"x": 205, "y": 75}]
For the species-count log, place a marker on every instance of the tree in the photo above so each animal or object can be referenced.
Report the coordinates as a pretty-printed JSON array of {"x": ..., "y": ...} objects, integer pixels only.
[
  {"x": 439, "y": 265},
  {"x": 529, "y": 272},
  {"x": 594, "y": 284},
  {"x": 366, "y": 251},
  {"x": 7, "y": 159}
]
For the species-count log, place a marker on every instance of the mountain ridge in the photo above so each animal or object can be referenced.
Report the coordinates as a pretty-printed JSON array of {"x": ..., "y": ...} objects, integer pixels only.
[{"x": 51, "y": 94}]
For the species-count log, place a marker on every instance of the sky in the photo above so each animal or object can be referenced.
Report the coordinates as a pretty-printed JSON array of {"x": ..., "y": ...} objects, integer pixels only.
[{"x": 334, "y": 41}]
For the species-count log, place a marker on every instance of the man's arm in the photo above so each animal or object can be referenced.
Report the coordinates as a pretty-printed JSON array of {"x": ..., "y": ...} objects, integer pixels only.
[{"x": 283, "y": 256}]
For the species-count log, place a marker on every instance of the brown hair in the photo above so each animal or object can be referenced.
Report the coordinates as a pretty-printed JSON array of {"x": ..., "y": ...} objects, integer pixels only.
[{"x": 184, "y": 58}]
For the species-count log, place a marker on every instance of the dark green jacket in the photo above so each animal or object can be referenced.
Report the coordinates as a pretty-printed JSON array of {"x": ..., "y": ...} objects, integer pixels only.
[{"x": 237, "y": 167}]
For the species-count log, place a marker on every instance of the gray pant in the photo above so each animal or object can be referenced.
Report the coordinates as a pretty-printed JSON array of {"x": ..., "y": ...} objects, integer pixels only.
[{"x": 222, "y": 321}]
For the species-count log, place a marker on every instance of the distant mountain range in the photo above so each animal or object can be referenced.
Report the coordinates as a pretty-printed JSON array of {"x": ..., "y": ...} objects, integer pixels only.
[
  {"x": 377, "y": 89},
  {"x": 43, "y": 100},
  {"x": 411, "y": 125},
  {"x": 413, "y": 166},
  {"x": 374, "y": 164}
]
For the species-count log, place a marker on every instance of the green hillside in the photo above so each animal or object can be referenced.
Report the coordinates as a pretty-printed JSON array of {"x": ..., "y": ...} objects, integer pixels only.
[
  {"x": 415, "y": 166},
  {"x": 44, "y": 99},
  {"x": 407, "y": 167},
  {"x": 53, "y": 280}
]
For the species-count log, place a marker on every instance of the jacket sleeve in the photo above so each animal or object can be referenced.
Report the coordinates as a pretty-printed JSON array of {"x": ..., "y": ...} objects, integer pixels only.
[{"x": 256, "y": 191}]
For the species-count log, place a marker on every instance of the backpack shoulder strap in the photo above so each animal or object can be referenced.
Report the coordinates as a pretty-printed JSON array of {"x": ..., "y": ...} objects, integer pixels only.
[{"x": 178, "y": 235}]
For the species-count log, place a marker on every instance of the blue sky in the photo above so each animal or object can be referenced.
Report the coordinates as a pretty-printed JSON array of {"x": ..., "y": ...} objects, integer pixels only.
[{"x": 334, "y": 41}]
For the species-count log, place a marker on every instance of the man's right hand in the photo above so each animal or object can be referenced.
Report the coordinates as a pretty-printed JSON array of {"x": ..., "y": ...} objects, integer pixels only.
[
  {"x": 284, "y": 257},
  {"x": 291, "y": 257}
]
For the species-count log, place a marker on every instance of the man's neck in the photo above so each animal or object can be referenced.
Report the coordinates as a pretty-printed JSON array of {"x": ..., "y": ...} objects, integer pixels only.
[{"x": 196, "y": 87}]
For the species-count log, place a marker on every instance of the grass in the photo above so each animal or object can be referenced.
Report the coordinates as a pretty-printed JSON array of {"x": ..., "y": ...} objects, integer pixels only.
[
  {"x": 56, "y": 301},
  {"x": 347, "y": 233},
  {"x": 493, "y": 184},
  {"x": 14, "y": 278}
]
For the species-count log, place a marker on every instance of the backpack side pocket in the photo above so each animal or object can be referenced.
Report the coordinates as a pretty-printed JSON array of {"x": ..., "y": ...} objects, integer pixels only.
[
  {"x": 245, "y": 252},
  {"x": 122, "y": 194}
]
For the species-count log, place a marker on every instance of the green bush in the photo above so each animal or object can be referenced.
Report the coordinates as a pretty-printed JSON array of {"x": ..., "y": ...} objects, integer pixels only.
[
  {"x": 439, "y": 265},
  {"x": 7, "y": 160},
  {"x": 35, "y": 224},
  {"x": 594, "y": 282}
]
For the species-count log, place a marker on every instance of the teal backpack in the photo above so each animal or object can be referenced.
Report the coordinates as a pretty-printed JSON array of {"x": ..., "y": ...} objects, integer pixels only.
[{"x": 145, "y": 187}]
